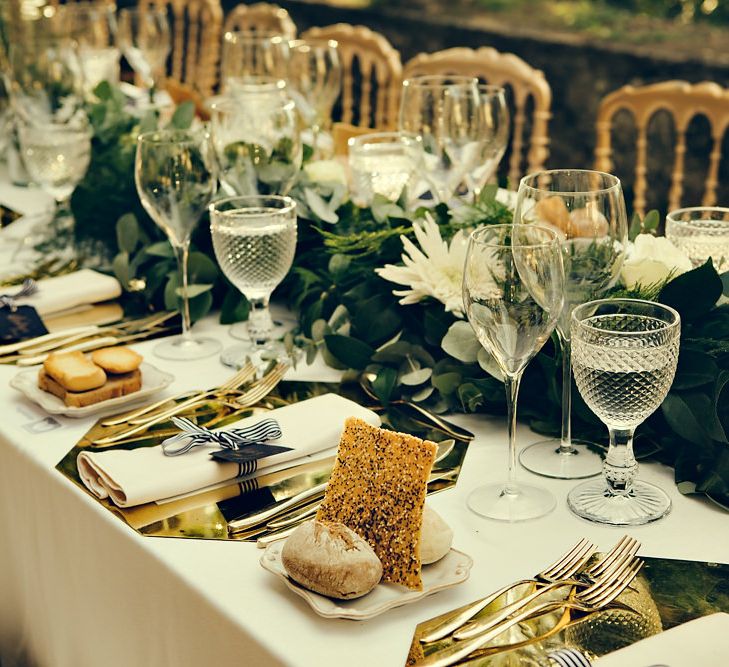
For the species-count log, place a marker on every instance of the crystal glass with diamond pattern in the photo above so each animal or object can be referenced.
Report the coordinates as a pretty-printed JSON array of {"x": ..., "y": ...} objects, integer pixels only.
[
  {"x": 703, "y": 233},
  {"x": 624, "y": 357},
  {"x": 254, "y": 239}
]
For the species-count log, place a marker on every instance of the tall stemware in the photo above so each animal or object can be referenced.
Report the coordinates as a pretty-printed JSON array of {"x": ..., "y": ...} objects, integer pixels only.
[
  {"x": 493, "y": 136},
  {"x": 254, "y": 239},
  {"x": 624, "y": 359},
  {"x": 175, "y": 183},
  {"x": 587, "y": 210},
  {"x": 513, "y": 287},
  {"x": 144, "y": 38},
  {"x": 444, "y": 111},
  {"x": 249, "y": 56}
]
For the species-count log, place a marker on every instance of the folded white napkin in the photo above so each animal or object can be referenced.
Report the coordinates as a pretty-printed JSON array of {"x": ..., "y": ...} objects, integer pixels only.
[
  {"x": 71, "y": 290},
  {"x": 145, "y": 475},
  {"x": 703, "y": 642}
]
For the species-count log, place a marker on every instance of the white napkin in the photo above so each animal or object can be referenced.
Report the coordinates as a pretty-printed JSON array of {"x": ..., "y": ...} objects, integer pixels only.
[
  {"x": 146, "y": 474},
  {"x": 703, "y": 642},
  {"x": 71, "y": 290}
]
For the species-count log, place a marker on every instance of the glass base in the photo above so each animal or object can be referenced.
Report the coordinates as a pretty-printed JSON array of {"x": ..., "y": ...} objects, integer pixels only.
[
  {"x": 645, "y": 503},
  {"x": 239, "y": 331},
  {"x": 187, "y": 349},
  {"x": 544, "y": 458},
  {"x": 522, "y": 503},
  {"x": 237, "y": 355}
]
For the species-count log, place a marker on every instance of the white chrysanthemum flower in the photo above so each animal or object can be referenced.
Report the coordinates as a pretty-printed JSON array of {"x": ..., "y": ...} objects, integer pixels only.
[{"x": 435, "y": 269}]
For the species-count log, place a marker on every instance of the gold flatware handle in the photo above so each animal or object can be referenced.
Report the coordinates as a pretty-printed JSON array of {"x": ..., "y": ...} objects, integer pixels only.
[
  {"x": 85, "y": 346},
  {"x": 148, "y": 408},
  {"x": 263, "y": 542},
  {"x": 12, "y": 348}
]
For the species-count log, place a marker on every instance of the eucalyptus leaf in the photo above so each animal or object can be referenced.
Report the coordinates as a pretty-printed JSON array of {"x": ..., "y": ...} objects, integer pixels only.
[
  {"x": 349, "y": 351},
  {"x": 127, "y": 233},
  {"x": 384, "y": 383},
  {"x": 447, "y": 383},
  {"x": 416, "y": 377},
  {"x": 183, "y": 116},
  {"x": 194, "y": 290},
  {"x": 235, "y": 307},
  {"x": 488, "y": 363},
  {"x": 461, "y": 343},
  {"x": 693, "y": 293},
  {"x": 319, "y": 329},
  {"x": 160, "y": 249},
  {"x": 120, "y": 266}
]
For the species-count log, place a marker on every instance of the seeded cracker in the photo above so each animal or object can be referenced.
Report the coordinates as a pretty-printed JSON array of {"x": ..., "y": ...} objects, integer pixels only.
[{"x": 377, "y": 489}]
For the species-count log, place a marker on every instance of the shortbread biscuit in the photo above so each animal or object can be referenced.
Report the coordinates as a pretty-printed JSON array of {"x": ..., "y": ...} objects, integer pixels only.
[
  {"x": 118, "y": 385},
  {"x": 73, "y": 371},
  {"x": 117, "y": 359}
]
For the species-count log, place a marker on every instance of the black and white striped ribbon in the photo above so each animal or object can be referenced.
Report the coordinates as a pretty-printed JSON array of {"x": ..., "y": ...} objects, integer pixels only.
[
  {"x": 567, "y": 657},
  {"x": 191, "y": 435},
  {"x": 28, "y": 288}
]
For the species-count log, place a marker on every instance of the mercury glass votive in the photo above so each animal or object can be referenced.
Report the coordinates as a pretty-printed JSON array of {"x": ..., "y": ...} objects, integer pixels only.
[{"x": 701, "y": 232}]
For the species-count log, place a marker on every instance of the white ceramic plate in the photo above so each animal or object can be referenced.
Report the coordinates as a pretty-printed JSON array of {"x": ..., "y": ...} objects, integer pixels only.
[
  {"x": 26, "y": 382},
  {"x": 454, "y": 568}
]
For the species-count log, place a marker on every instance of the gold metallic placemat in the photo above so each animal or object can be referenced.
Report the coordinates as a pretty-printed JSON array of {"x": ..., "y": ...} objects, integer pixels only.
[
  {"x": 666, "y": 593},
  {"x": 205, "y": 515}
]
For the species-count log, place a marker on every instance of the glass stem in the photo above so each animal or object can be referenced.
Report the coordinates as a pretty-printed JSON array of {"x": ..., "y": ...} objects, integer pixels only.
[
  {"x": 565, "y": 444},
  {"x": 511, "y": 384},
  {"x": 182, "y": 252},
  {"x": 260, "y": 324},
  {"x": 620, "y": 466}
]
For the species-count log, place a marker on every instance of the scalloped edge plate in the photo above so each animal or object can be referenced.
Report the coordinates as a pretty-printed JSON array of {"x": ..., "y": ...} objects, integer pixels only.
[{"x": 454, "y": 568}]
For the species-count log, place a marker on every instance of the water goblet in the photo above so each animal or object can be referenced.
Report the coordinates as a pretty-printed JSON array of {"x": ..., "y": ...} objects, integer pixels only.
[
  {"x": 254, "y": 239},
  {"x": 386, "y": 164},
  {"x": 625, "y": 353},
  {"x": 587, "y": 210},
  {"x": 175, "y": 183},
  {"x": 144, "y": 38},
  {"x": 248, "y": 56},
  {"x": 493, "y": 136},
  {"x": 513, "y": 285},
  {"x": 701, "y": 232},
  {"x": 444, "y": 111}
]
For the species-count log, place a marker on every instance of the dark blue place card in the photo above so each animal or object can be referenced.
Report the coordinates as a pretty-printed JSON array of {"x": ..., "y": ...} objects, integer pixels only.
[
  {"x": 248, "y": 453},
  {"x": 20, "y": 323}
]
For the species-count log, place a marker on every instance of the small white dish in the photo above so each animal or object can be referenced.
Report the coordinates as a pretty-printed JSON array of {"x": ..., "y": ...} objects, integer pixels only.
[
  {"x": 26, "y": 382},
  {"x": 454, "y": 568}
]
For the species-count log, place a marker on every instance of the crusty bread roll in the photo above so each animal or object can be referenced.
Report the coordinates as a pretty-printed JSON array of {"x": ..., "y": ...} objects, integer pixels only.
[
  {"x": 117, "y": 359},
  {"x": 73, "y": 371},
  {"x": 436, "y": 537},
  {"x": 118, "y": 385},
  {"x": 331, "y": 559},
  {"x": 554, "y": 211}
]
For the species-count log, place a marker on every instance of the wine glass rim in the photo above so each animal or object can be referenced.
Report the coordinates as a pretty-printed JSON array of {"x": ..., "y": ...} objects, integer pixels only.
[
  {"x": 671, "y": 216},
  {"x": 313, "y": 41},
  {"x": 231, "y": 98},
  {"x": 251, "y": 201},
  {"x": 373, "y": 137},
  {"x": 584, "y": 323},
  {"x": 552, "y": 236},
  {"x": 524, "y": 183},
  {"x": 439, "y": 81},
  {"x": 171, "y": 136},
  {"x": 232, "y": 36}
]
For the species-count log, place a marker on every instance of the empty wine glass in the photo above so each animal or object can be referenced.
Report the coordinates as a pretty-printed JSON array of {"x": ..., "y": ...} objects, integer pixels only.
[
  {"x": 587, "y": 210},
  {"x": 701, "y": 232},
  {"x": 249, "y": 56},
  {"x": 315, "y": 81},
  {"x": 256, "y": 140},
  {"x": 144, "y": 38},
  {"x": 513, "y": 286},
  {"x": 493, "y": 136},
  {"x": 624, "y": 358},
  {"x": 384, "y": 163},
  {"x": 254, "y": 239},
  {"x": 175, "y": 183}
]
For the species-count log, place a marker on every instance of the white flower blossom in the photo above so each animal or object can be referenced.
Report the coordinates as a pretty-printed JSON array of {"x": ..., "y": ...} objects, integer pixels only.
[
  {"x": 326, "y": 171},
  {"x": 651, "y": 259},
  {"x": 435, "y": 269}
]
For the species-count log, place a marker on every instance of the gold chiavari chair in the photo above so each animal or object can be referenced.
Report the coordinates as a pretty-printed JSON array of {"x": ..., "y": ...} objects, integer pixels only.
[
  {"x": 372, "y": 74},
  {"x": 260, "y": 17},
  {"x": 508, "y": 70},
  {"x": 683, "y": 101}
]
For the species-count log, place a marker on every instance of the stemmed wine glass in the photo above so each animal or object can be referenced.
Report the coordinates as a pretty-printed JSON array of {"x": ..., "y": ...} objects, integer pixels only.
[
  {"x": 144, "y": 38},
  {"x": 493, "y": 136},
  {"x": 587, "y": 210},
  {"x": 249, "y": 56},
  {"x": 513, "y": 285},
  {"x": 624, "y": 359},
  {"x": 175, "y": 183},
  {"x": 254, "y": 239},
  {"x": 445, "y": 112}
]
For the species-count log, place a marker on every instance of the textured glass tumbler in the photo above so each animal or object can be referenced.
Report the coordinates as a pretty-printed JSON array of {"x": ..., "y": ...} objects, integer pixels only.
[
  {"x": 624, "y": 357},
  {"x": 701, "y": 232}
]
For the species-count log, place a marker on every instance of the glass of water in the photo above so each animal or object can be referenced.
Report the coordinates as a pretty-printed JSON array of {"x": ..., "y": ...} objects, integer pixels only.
[
  {"x": 144, "y": 38},
  {"x": 384, "y": 163},
  {"x": 702, "y": 232},
  {"x": 254, "y": 239},
  {"x": 248, "y": 56},
  {"x": 624, "y": 357}
]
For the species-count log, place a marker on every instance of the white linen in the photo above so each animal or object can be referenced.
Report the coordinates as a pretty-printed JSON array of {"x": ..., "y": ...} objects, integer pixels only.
[
  {"x": 702, "y": 642},
  {"x": 145, "y": 475},
  {"x": 73, "y": 289}
]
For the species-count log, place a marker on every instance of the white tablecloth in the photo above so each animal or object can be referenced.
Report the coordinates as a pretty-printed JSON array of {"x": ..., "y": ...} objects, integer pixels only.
[{"x": 78, "y": 588}]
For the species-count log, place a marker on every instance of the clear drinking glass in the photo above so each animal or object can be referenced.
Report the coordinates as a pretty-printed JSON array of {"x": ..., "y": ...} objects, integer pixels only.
[
  {"x": 493, "y": 136},
  {"x": 254, "y": 239},
  {"x": 624, "y": 358},
  {"x": 384, "y": 163},
  {"x": 256, "y": 139},
  {"x": 701, "y": 232},
  {"x": 175, "y": 183},
  {"x": 248, "y": 56},
  {"x": 144, "y": 38},
  {"x": 315, "y": 81},
  {"x": 513, "y": 286},
  {"x": 587, "y": 210},
  {"x": 445, "y": 112}
]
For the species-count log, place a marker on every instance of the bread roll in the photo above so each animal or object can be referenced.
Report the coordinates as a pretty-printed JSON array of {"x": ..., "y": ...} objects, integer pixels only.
[
  {"x": 117, "y": 359},
  {"x": 73, "y": 371},
  {"x": 331, "y": 559},
  {"x": 436, "y": 537}
]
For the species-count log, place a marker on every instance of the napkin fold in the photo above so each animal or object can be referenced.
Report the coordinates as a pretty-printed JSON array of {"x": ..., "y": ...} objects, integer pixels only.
[
  {"x": 133, "y": 477},
  {"x": 73, "y": 289},
  {"x": 702, "y": 642}
]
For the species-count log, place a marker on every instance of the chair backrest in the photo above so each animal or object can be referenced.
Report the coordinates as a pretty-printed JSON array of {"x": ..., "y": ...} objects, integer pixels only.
[
  {"x": 371, "y": 71},
  {"x": 196, "y": 28},
  {"x": 501, "y": 69},
  {"x": 683, "y": 101},
  {"x": 260, "y": 17}
]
